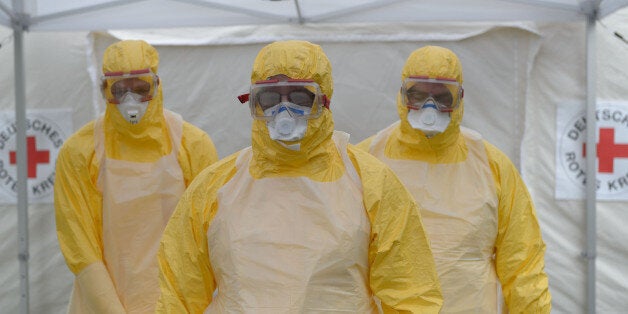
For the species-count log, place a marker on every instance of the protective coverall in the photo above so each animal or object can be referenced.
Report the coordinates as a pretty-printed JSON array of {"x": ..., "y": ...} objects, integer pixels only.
[
  {"x": 116, "y": 186},
  {"x": 475, "y": 207},
  {"x": 318, "y": 229}
]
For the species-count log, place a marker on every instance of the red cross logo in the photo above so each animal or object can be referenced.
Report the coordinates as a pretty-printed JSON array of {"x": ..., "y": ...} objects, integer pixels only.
[
  {"x": 608, "y": 150},
  {"x": 34, "y": 156}
]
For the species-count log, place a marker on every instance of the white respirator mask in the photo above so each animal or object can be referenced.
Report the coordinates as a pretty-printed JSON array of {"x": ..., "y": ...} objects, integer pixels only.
[
  {"x": 131, "y": 108},
  {"x": 428, "y": 119},
  {"x": 288, "y": 123}
]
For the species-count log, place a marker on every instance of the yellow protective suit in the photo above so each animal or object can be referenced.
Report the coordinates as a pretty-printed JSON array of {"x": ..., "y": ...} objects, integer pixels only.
[
  {"x": 476, "y": 209},
  {"x": 276, "y": 230},
  {"x": 116, "y": 186}
]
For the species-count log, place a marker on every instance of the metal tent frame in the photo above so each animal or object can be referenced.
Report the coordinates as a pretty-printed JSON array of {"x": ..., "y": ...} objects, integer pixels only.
[{"x": 96, "y": 14}]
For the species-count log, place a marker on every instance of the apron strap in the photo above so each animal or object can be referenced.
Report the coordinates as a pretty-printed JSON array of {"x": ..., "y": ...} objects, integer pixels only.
[{"x": 342, "y": 140}]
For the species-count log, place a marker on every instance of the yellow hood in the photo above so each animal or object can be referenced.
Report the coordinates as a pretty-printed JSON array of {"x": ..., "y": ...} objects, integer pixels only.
[
  {"x": 147, "y": 140},
  {"x": 409, "y": 143},
  {"x": 317, "y": 157}
]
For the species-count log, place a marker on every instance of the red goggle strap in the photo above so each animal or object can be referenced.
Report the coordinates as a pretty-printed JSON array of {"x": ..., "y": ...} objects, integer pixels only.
[
  {"x": 244, "y": 97},
  {"x": 287, "y": 81},
  {"x": 433, "y": 78},
  {"x": 325, "y": 101},
  {"x": 134, "y": 72}
]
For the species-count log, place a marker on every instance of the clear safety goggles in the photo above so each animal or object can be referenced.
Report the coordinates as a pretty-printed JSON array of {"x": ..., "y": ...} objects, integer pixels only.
[
  {"x": 141, "y": 82},
  {"x": 445, "y": 93},
  {"x": 267, "y": 94}
]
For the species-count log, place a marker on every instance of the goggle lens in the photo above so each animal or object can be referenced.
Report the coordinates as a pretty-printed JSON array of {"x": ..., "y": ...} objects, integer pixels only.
[
  {"x": 269, "y": 98},
  {"x": 419, "y": 96},
  {"x": 445, "y": 93},
  {"x": 116, "y": 84},
  {"x": 133, "y": 85},
  {"x": 303, "y": 93}
]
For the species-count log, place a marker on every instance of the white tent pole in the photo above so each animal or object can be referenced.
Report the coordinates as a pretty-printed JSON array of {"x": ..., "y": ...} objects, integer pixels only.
[
  {"x": 591, "y": 153},
  {"x": 20, "y": 121},
  {"x": 298, "y": 9}
]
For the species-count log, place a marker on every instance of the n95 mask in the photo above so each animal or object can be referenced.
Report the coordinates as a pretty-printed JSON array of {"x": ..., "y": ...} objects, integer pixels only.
[
  {"x": 131, "y": 107},
  {"x": 288, "y": 122},
  {"x": 428, "y": 119}
]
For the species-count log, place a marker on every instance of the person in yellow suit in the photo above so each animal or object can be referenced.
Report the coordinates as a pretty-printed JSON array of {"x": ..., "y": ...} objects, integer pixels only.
[
  {"x": 300, "y": 221},
  {"x": 118, "y": 180},
  {"x": 475, "y": 207}
]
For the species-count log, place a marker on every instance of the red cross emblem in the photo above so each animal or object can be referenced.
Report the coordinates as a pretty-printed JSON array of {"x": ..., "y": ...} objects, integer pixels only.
[
  {"x": 608, "y": 150},
  {"x": 34, "y": 156}
]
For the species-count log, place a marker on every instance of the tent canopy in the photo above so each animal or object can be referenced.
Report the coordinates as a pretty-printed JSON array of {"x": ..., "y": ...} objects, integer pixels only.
[{"x": 70, "y": 15}]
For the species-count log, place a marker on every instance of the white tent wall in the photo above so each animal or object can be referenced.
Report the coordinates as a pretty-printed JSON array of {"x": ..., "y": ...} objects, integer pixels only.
[
  {"x": 612, "y": 216},
  {"x": 56, "y": 78},
  {"x": 558, "y": 76},
  {"x": 515, "y": 75}
]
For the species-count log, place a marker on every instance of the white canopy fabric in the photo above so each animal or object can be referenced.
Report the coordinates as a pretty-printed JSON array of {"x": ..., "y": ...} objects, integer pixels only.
[
  {"x": 106, "y": 14},
  {"x": 520, "y": 59}
]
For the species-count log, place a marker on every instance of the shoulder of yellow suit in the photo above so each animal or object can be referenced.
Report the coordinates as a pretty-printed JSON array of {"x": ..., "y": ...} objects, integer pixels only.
[
  {"x": 365, "y": 145},
  {"x": 215, "y": 176},
  {"x": 193, "y": 134},
  {"x": 499, "y": 162},
  {"x": 366, "y": 165},
  {"x": 202, "y": 194},
  {"x": 80, "y": 145},
  {"x": 495, "y": 153}
]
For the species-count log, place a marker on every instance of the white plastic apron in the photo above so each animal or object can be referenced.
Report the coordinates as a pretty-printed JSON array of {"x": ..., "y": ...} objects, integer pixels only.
[
  {"x": 138, "y": 200},
  {"x": 291, "y": 245},
  {"x": 459, "y": 212}
]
